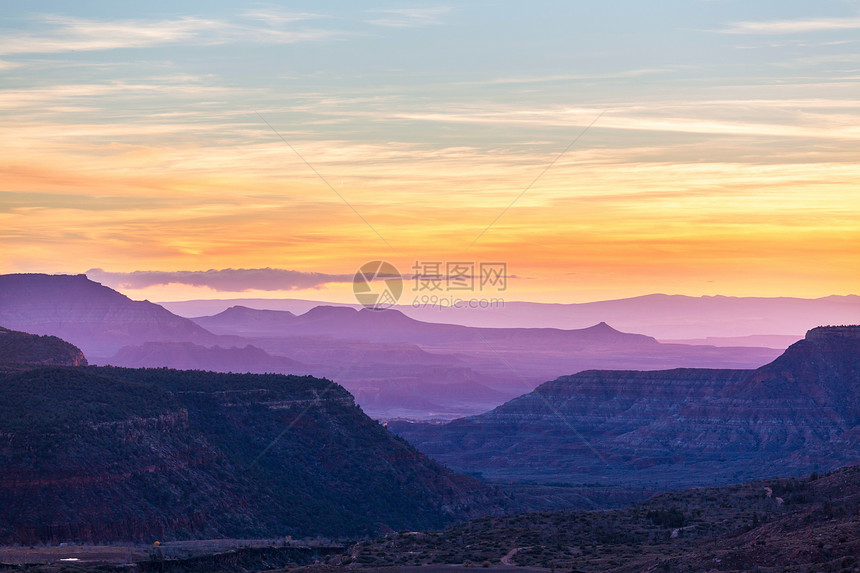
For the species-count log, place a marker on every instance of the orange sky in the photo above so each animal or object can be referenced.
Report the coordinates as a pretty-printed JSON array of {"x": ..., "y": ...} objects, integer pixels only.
[{"x": 720, "y": 180}]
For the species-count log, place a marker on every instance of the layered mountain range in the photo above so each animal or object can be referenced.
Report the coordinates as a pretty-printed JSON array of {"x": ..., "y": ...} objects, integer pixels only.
[
  {"x": 722, "y": 320},
  {"x": 396, "y": 366},
  {"x": 669, "y": 428},
  {"x": 394, "y": 326},
  {"x": 399, "y": 366},
  {"x": 103, "y": 454}
]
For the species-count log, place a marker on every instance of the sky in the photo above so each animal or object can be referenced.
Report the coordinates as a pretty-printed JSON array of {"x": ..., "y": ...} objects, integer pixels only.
[{"x": 599, "y": 149}]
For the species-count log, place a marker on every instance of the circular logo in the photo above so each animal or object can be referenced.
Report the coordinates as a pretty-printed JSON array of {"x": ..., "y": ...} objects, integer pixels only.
[{"x": 377, "y": 285}]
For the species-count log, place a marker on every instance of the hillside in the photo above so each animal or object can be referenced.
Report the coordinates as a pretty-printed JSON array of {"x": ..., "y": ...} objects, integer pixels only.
[
  {"x": 95, "y": 318},
  {"x": 24, "y": 348},
  {"x": 108, "y": 454},
  {"x": 671, "y": 428},
  {"x": 786, "y": 525}
]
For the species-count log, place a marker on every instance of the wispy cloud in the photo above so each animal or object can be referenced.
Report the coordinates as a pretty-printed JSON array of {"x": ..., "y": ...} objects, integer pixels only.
[
  {"x": 409, "y": 17},
  {"x": 66, "y": 34},
  {"x": 629, "y": 121},
  {"x": 793, "y": 26},
  {"x": 277, "y": 16},
  {"x": 609, "y": 75},
  {"x": 241, "y": 280},
  {"x": 222, "y": 280},
  {"x": 58, "y": 34}
]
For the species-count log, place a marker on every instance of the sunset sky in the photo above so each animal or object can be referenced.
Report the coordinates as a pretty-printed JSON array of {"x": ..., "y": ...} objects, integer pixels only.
[{"x": 724, "y": 155}]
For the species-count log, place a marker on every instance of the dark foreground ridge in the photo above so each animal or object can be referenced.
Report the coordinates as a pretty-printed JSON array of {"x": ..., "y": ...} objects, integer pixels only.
[
  {"x": 109, "y": 454},
  {"x": 22, "y": 348},
  {"x": 778, "y": 525},
  {"x": 670, "y": 428},
  {"x": 787, "y": 525}
]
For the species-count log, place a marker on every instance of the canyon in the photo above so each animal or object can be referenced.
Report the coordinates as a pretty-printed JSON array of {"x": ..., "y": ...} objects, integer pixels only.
[{"x": 669, "y": 428}]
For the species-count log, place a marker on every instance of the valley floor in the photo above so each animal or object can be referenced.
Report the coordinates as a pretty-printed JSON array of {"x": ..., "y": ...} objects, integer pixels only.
[{"x": 792, "y": 524}]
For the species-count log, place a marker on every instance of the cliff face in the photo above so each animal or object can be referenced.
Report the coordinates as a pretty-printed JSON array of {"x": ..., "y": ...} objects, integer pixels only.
[
  {"x": 673, "y": 427},
  {"x": 107, "y": 454},
  {"x": 824, "y": 366},
  {"x": 24, "y": 348}
]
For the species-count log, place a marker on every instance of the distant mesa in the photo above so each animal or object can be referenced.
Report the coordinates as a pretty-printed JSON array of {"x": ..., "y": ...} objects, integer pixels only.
[
  {"x": 93, "y": 317},
  {"x": 240, "y": 311},
  {"x": 244, "y": 321},
  {"x": 394, "y": 326},
  {"x": 717, "y": 320},
  {"x": 325, "y": 311}
]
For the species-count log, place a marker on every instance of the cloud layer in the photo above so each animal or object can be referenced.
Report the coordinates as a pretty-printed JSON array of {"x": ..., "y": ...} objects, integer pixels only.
[
  {"x": 408, "y": 17},
  {"x": 223, "y": 280},
  {"x": 60, "y": 34},
  {"x": 794, "y": 26}
]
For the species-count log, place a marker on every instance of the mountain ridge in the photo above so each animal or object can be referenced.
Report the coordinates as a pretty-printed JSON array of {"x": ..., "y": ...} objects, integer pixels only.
[
  {"x": 392, "y": 325},
  {"x": 663, "y": 316},
  {"x": 676, "y": 427},
  {"x": 96, "y": 318},
  {"x": 102, "y": 454}
]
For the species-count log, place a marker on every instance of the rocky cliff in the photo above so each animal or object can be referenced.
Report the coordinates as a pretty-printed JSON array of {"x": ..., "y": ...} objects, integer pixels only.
[
  {"x": 670, "y": 428},
  {"x": 108, "y": 454}
]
